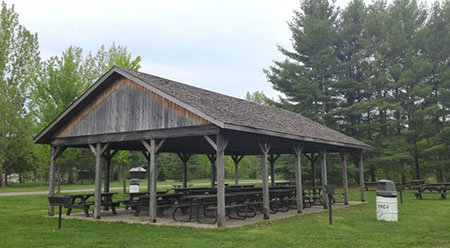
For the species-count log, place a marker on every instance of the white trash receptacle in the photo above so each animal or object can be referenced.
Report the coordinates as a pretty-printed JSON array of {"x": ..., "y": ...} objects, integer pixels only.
[
  {"x": 134, "y": 185},
  {"x": 387, "y": 206}
]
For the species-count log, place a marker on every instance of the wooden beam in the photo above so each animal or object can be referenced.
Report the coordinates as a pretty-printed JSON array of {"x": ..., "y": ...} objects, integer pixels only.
[
  {"x": 298, "y": 178},
  {"x": 272, "y": 160},
  {"x": 266, "y": 198},
  {"x": 184, "y": 158},
  {"x": 324, "y": 176},
  {"x": 344, "y": 176},
  {"x": 211, "y": 142},
  {"x": 54, "y": 154},
  {"x": 361, "y": 178},
  {"x": 220, "y": 162},
  {"x": 236, "y": 160},
  {"x": 212, "y": 160},
  {"x": 98, "y": 180},
  {"x": 165, "y": 133}
]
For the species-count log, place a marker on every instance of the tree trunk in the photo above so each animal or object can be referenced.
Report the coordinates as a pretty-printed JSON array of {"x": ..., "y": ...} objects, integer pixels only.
[
  {"x": 70, "y": 176},
  {"x": 372, "y": 173},
  {"x": 6, "y": 179},
  {"x": 414, "y": 157},
  {"x": 439, "y": 175},
  {"x": 1, "y": 176},
  {"x": 20, "y": 177}
]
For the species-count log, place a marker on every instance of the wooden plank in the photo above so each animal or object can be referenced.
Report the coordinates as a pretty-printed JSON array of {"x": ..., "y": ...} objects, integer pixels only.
[
  {"x": 98, "y": 181},
  {"x": 298, "y": 178},
  {"x": 220, "y": 162},
  {"x": 178, "y": 132},
  {"x": 51, "y": 180},
  {"x": 152, "y": 182},
  {"x": 212, "y": 159},
  {"x": 361, "y": 178},
  {"x": 324, "y": 176},
  {"x": 344, "y": 176},
  {"x": 236, "y": 160},
  {"x": 272, "y": 159},
  {"x": 211, "y": 142},
  {"x": 294, "y": 137},
  {"x": 265, "y": 153}
]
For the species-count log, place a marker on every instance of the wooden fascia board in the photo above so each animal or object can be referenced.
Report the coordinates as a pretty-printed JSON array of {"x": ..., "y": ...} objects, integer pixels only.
[
  {"x": 165, "y": 133},
  {"x": 291, "y": 136}
]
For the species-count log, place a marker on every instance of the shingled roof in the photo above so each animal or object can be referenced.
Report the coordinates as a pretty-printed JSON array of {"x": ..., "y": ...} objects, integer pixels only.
[
  {"x": 223, "y": 111},
  {"x": 234, "y": 112}
]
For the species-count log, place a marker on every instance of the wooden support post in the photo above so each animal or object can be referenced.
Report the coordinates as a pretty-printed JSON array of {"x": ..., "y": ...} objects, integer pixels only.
[
  {"x": 236, "y": 160},
  {"x": 98, "y": 151},
  {"x": 361, "y": 177},
  {"x": 272, "y": 158},
  {"x": 344, "y": 176},
  {"x": 313, "y": 169},
  {"x": 212, "y": 160},
  {"x": 298, "y": 178},
  {"x": 266, "y": 197},
  {"x": 220, "y": 145},
  {"x": 152, "y": 149},
  {"x": 324, "y": 177},
  {"x": 184, "y": 159},
  {"x": 220, "y": 162},
  {"x": 54, "y": 154}
]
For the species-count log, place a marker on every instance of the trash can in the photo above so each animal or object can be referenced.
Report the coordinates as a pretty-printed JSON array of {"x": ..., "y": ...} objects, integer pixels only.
[
  {"x": 387, "y": 207},
  {"x": 134, "y": 185}
]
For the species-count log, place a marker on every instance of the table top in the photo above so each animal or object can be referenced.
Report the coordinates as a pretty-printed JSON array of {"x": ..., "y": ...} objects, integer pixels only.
[{"x": 91, "y": 194}]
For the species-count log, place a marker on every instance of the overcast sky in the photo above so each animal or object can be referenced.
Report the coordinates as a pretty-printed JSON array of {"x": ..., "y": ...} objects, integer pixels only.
[{"x": 217, "y": 45}]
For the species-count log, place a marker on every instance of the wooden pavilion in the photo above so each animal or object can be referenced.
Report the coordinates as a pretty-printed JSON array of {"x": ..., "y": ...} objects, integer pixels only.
[{"x": 130, "y": 110}]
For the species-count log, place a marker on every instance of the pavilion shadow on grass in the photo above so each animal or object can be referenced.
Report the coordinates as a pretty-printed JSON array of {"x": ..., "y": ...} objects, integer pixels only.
[{"x": 129, "y": 110}]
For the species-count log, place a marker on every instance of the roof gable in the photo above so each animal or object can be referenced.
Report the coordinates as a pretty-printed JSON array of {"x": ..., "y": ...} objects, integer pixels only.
[{"x": 218, "y": 109}]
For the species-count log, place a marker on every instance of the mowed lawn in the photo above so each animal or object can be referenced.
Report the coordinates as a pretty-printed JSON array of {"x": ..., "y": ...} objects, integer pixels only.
[{"x": 423, "y": 223}]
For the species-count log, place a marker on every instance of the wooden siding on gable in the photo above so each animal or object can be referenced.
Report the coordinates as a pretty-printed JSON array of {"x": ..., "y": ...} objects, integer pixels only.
[{"x": 127, "y": 106}]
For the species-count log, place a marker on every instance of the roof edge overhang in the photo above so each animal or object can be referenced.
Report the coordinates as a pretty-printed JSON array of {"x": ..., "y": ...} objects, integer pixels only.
[
  {"x": 42, "y": 138},
  {"x": 295, "y": 137}
]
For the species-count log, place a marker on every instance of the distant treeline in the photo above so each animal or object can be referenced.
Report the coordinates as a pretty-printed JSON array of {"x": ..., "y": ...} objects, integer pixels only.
[{"x": 378, "y": 72}]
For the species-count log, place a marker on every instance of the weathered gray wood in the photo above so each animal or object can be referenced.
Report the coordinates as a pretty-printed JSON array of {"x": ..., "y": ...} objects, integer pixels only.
[
  {"x": 212, "y": 160},
  {"x": 54, "y": 154},
  {"x": 324, "y": 176},
  {"x": 152, "y": 149},
  {"x": 272, "y": 159},
  {"x": 126, "y": 96},
  {"x": 220, "y": 162},
  {"x": 210, "y": 141},
  {"x": 177, "y": 132},
  {"x": 361, "y": 178},
  {"x": 236, "y": 160},
  {"x": 344, "y": 176},
  {"x": 266, "y": 198},
  {"x": 313, "y": 169},
  {"x": 98, "y": 180},
  {"x": 298, "y": 178},
  {"x": 184, "y": 159}
]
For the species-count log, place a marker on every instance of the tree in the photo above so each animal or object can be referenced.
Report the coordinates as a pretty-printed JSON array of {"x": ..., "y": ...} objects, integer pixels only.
[
  {"x": 19, "y": 65},
  {"x": 307, "y": 74}
]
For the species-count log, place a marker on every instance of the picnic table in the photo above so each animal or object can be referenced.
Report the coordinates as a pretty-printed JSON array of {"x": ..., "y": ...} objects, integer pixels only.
[
  {"x": 81, "y": 201},
  {"x": 164, "y": 201},
  {"x": 244, "y": 203},
  {"x": 313, "y": 195},
  {"x": 133, "y": 196},
  {"x": 178, "y": 186},
  {"x": 430, "y": 188}
]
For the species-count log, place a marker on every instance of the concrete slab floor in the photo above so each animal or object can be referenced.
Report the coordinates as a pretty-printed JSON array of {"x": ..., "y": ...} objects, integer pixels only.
[{"x": 127, "y": 216}]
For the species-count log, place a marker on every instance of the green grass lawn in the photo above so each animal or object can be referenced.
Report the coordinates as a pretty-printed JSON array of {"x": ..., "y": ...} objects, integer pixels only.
[{"x": 422, "y": 223}]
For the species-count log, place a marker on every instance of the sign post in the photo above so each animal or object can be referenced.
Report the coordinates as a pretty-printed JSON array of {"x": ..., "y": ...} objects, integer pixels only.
[{"x": 329, "y": 190}]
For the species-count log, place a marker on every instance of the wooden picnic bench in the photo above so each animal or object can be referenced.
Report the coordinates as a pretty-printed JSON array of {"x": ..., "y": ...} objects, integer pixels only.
[
  {"x": 432, "y": 188},
  {"x": 81, "y": 201}
]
